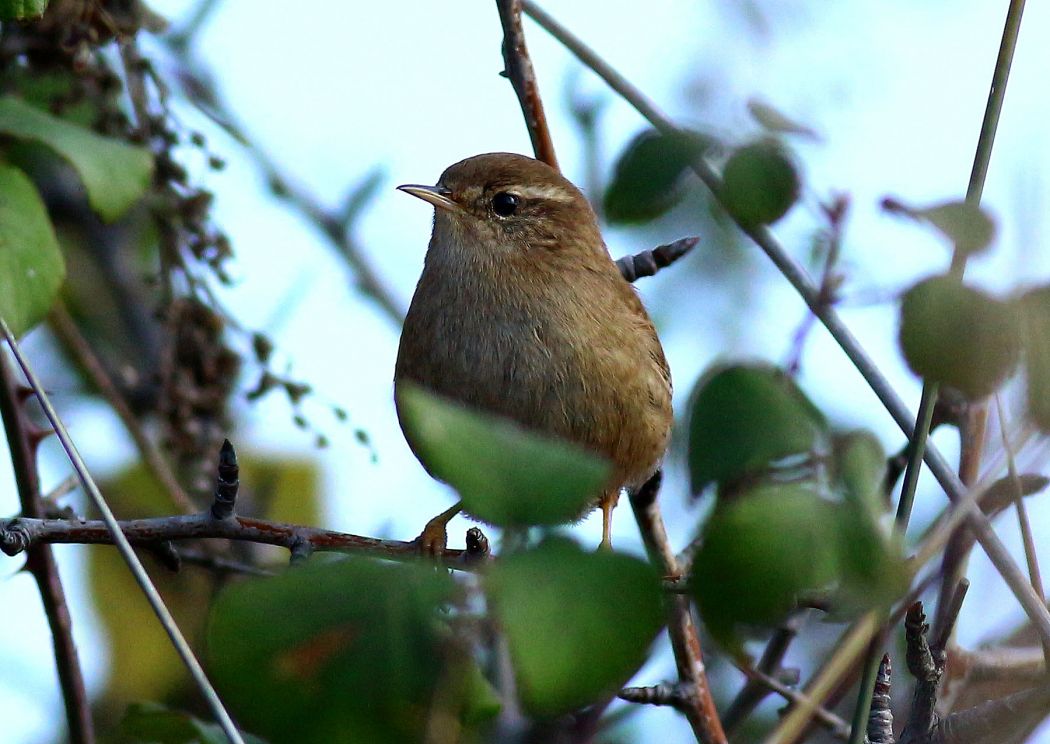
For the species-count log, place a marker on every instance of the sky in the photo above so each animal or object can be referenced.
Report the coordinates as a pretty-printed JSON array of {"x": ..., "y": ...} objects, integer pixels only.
[{"x": 895, "y": 89}]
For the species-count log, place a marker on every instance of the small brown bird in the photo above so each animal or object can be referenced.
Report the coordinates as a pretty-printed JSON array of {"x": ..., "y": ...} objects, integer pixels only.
[{"x": 521, "y": 312}]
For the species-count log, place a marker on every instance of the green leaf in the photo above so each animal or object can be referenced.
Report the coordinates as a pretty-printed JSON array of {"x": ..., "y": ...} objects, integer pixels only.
[
  {"x": 336, "y": 651},
  {"x": 760, "y": 551},
  {"x": 967, "y": 226},
  {"x": 31, "y": 265},
  {"x": 156, "y": 724},
  {"x": 114, "y": 174},
  {"x": 505, "y": 475},
  {"x": 745, "y": 417},
  {"x": 20, "y": 10},
  {"x": 578, "y": 624},
  {"x": 646, "y": 179},
  {"x": 959, "y": 336},
  {"x": 859, "y": 466},
  {"x": 1035, "y": 315},
  {"x": 873, "y": 570},
  {"x": 760, "y": 183}
]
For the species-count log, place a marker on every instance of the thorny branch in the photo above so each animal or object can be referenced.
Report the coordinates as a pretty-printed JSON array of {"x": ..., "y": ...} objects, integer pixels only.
[{"x": 22, "y": 440}]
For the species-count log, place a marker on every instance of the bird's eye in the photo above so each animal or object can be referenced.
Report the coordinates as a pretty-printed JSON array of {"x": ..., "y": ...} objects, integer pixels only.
[{"x": 505, "y": 203}]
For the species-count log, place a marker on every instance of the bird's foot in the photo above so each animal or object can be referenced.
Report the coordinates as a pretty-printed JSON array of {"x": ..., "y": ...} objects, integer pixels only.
[{"x": 433, "y": 540}]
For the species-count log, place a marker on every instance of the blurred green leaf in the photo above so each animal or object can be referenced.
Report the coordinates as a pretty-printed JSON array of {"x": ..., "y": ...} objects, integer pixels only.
[
  {"x": 31, "y": 265},
  {"x": 20, "y": 10},
  {"x": 150, "y": 723},
  {"x": 776, "y": 122},
  {"x": 760, "y": 183},
  {"x": 505, "y": 475},
  {"x": 959, "y": 336},
  {"x": 578, "y": 624},
  {"x": 1035, "y": 315},
  {"x": 859, "y": 466},
  {"x": 743, "y": 418},
  {"x": 114, "y": 173},
  {"x": 967, "y": 226},
  {"x": 760, "y": 551},
  {"x": 337, "y": 651},
  {"x": 646, "y": 179},
  {"x": 873, "y": 570}
]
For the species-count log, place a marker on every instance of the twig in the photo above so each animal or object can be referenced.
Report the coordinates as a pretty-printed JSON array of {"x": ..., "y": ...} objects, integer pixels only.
[
  {"x": 69, "y": 335},
  {"x": 755, "y": 691},
  {"x": 685, "y": 642},
  {"x": 40, "y": 561},
  {"x": 518, "y": 69},
  {"x": 1027, "y": 539},
  {"x": 835, "y": 725},
  {"x": 19, "y": 534},
  {"x": 926, "y": 667},
  {"x": 142, "y": 579},
  {"x": 1004, "y": 721},
  {"x": 793, "y": 272},
  {"x": 649, "y": 262},
  {"x": 673, "y": 694}
]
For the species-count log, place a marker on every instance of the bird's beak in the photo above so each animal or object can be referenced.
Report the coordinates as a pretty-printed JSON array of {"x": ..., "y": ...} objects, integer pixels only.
[{"x": 439, "y": 196}]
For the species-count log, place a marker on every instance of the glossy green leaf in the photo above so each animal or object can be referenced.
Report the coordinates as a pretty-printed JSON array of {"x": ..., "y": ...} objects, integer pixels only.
[
  {"x": 646, "y": 181},
  {"x": 31, "y": 265},
  {"x": 20, "y": 10},
  {"x": 505, "y": 475},
  {"x": 1035, "y": 314},
  {"x": 114, "y": 173},
  {"x": 578, "y": 624},
  {"x": 959, "y": 336},
  {"x": 338, "y": 652},
  {"x": 150, "y": 723},
  {"x": 969, "y": 228},
  {"x": 760, "y": 551},
  {"x": 745, "y": 417},
  {"x": 760, "y": 183}
]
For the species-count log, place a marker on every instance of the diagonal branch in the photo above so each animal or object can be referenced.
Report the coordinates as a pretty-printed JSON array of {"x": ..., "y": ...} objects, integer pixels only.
[
  {"x": 518, "y": 69},
  {"x": 40, "y": 560}
]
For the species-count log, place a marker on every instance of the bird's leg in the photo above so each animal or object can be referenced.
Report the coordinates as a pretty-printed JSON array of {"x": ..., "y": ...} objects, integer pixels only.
[
  {"x": 434, "y": 537},
  {"x": 607, "y": 503}
]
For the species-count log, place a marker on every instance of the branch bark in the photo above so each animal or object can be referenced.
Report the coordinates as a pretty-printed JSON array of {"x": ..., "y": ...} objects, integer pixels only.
[
  {"x": 689, "y": 658},
  {"x": 518, "y": 69},
  {"x": 22, "y": 439}
]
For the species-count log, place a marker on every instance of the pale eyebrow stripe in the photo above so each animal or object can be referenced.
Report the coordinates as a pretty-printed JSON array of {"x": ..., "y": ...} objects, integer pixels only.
[{"x": 551, "y": 192}]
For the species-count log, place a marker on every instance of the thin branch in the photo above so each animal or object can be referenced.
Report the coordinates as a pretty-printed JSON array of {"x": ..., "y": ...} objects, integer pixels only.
[
  {"x": 754, "y": 691},
  {"x": 796, "y": 275},
  {"x": 685, "y": 642},
  {"x": 69, "y": 335},
  {"x": 518, "y": 69},
  {"x": 1027, "y": 538},
  {"x": 40, "y": 561},
  {"x": 20, "y": 534},
  {"x": 835, "y": 725},
  {"x": 142, "y": 579}
]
